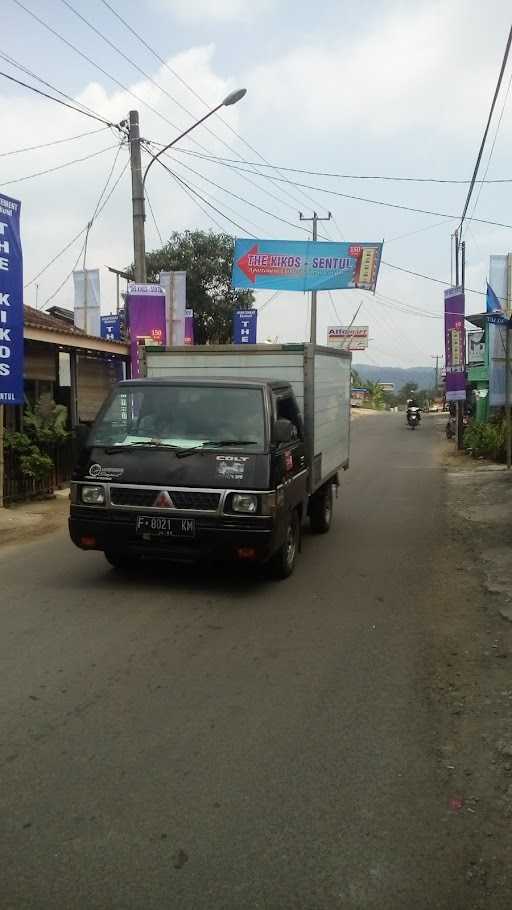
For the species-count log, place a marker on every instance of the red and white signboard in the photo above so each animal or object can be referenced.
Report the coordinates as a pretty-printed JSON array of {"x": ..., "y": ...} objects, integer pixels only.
[{"x": 348, "y": 337}]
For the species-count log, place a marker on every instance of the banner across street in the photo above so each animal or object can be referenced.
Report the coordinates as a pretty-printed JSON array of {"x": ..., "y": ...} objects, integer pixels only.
[{"x": 291, "y": 265}]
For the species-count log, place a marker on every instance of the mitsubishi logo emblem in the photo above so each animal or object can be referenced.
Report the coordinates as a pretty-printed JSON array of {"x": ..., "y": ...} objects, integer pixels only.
[{"x": 163, "y": 501}]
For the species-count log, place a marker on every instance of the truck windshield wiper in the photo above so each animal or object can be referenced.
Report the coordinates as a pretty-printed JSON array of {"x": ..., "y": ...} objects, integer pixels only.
[
  {"x": 215, "y": 443},
  {"x": 150, "y": 443}
]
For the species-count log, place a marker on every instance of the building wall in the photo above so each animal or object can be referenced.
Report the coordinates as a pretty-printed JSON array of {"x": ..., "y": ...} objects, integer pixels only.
[
  {"x": 40, "y": 362},
  {"x": 96, "y": 377}
]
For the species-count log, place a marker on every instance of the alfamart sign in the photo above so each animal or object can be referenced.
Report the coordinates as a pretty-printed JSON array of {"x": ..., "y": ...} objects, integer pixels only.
[
  {"x": 11, "y": 303},
  {"x": 348, "y": 337}
]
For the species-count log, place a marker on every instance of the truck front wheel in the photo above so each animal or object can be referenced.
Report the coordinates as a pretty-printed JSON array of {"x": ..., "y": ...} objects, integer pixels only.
[
  {"x": 320, "y": 510},
  {"x": 283, "y": 561}
]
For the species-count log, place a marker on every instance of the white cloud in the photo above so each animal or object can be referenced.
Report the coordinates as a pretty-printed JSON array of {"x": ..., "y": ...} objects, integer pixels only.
[
  {"x": 55, "y": 207},
  {"x": 197, "y": 11},
  {"x": 404, "y": 73}
]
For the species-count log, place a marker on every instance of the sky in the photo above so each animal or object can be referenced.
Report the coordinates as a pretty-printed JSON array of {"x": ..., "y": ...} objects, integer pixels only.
[{"x": 374, "y": 89}]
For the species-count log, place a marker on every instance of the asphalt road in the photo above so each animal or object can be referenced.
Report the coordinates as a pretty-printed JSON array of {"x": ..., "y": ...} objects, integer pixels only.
[{"x": 174, "y": 740}]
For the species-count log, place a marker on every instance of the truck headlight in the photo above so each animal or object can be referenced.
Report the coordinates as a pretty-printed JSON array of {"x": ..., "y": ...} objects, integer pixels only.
[
  {"x": 244, "y": 502},
  {"x": 93, "y": 495}
]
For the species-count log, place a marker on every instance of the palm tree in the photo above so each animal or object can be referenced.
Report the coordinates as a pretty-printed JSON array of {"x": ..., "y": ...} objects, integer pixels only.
[{"x": 375, "y": 396}]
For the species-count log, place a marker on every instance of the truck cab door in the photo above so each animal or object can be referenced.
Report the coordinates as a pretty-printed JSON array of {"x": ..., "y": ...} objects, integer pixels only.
[{"x": 289, "y": 467}]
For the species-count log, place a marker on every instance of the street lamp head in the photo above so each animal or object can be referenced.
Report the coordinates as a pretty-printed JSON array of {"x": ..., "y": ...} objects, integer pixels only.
[{"x": 233, "y": 97}]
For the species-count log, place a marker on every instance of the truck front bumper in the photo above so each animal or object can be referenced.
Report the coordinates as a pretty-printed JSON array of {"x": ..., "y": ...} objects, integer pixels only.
[{"x": 216, "y": 538}]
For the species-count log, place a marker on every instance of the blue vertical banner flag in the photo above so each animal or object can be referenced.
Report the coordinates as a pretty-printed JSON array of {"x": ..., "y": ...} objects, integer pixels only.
[
  {"x": 111, "y": 328},
  {"x": 11, "y": 303},
  {"x": 245, "y": 327}
]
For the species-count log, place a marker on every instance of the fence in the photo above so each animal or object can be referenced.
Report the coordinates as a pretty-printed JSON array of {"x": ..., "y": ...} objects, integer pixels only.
[{"x": 18, "y": 486}]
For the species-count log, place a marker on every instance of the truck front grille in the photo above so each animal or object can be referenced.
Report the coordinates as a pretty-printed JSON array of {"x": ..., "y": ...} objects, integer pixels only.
[{"x": 140, "y": 497}]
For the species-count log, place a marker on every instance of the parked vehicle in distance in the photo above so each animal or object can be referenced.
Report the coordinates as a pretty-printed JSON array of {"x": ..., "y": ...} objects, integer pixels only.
[{"x": 199, "y": 461}]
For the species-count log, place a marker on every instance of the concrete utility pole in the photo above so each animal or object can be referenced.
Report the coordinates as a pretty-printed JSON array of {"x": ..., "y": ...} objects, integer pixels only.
[
  {"x": 436, "y": 358},
  {"x": 461, "y": 404},
  {"x": 139, "y": 181},
  {"x": 315, "y": 219},
  {"x": 139, "y": 238}
]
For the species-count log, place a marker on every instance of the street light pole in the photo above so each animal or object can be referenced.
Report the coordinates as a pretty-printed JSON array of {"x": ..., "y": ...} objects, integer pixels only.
[{"x": 139, "y": 181}]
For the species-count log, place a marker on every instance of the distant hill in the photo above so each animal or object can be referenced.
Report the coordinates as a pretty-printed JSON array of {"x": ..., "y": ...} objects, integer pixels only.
[{"x": 423, "y": 376}]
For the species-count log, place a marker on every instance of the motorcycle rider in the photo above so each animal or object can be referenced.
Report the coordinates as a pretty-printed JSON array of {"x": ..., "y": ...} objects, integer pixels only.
[{"x": 412, "y": 405}]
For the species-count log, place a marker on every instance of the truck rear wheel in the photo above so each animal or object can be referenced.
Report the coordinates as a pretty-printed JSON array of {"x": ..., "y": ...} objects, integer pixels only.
[
  {"x": 123, "y": 562},
  {"x": 283, "y": 562},
  {"x": 320, "y": 510}
]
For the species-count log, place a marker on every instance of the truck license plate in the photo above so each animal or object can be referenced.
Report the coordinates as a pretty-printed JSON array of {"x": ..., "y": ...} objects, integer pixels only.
[{"x": 158, "y": 526}]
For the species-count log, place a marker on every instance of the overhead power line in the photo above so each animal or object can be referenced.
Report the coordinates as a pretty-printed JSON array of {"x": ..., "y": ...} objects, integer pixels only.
[
  {"x": 202, "y": 198},
  {"x": 370, "y": 201},
  {"x": 200, "y": 98},
  {"x": 446, "y": 284},
  {"x": 59, "y": 167},
  {"x": 236, "y": 196},
  {"x": 333, "y": 174},
  {"x": 153, "y": 217},
  {"x": 482, "y": 182},
  {"x": 72, "y": 107},
  {"x": 46, "y": 145},
  {"x": 97, "y": 213},
  {"x": 484, "y": 137},
  {"x": 57, "y": 256},
  {"x": 73, "y": 101},
  {"x": 116, "y": 81},
  {"x": 93, "y": 63}
]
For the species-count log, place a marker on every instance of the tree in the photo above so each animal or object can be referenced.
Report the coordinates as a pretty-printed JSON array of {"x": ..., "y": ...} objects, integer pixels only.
[
  {"x": 375, "y": 395},
  {"x": 207, "y": 258},
  {"x": 407, "y": 391},
  {"x": 357, "y": 382}
]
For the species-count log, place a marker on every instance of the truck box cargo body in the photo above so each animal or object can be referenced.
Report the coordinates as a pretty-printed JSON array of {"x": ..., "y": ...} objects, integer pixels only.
[
  {"x": 218, "y": 453},
  {"x": 319, "y": 377}
]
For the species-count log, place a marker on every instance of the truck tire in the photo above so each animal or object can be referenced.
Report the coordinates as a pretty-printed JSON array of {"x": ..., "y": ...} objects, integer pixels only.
[
  {"x": 123, "y": 562},
  {"x": 320, "y": 510},
  {"x": 283, "y": 561}
]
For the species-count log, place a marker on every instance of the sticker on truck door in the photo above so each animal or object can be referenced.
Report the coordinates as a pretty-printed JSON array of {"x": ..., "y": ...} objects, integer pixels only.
[{"x": 232, "y": 467}]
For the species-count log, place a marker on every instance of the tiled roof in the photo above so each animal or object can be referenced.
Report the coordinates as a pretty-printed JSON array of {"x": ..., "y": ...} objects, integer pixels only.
[{"x": 37, "y": 319}]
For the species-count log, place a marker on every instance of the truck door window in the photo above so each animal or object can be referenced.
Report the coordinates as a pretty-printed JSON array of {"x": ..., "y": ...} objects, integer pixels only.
[{"x": 285, "y": 407}]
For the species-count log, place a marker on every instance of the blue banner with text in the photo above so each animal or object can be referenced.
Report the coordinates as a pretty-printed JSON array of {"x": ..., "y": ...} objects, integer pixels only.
[
  {"x": 11, "y": 303},
  {"x": 303, "y": 265},
  {"x": 245, "y": 327},
  {"x": 111, "y": 328}
]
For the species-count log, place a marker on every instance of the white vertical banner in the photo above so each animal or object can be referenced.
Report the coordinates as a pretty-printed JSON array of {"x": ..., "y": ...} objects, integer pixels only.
[
  {"x": 87, "y": 306},
  {"x": 179, "y": 305},
  {"x": 498, "y": 280},
  {"x": 165, "y": 284},
  {"x": 174, "y": 285}
]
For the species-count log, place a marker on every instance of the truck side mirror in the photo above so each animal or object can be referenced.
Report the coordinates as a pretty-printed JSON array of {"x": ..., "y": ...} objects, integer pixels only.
[{"x": 283, "y": 431}]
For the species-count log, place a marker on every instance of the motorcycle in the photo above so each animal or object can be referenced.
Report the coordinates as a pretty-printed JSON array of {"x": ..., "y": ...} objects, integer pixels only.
[{"x": 413, "y": 417}]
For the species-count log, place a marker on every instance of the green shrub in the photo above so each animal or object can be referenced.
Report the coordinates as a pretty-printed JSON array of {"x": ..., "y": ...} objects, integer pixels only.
[
  {"x": 43, "y": 426},
  {"x": 486, "y": 440}
]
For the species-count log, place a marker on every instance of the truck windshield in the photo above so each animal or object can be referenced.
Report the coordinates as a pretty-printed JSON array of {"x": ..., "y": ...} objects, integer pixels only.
[{"x": 182, "y": 416}]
